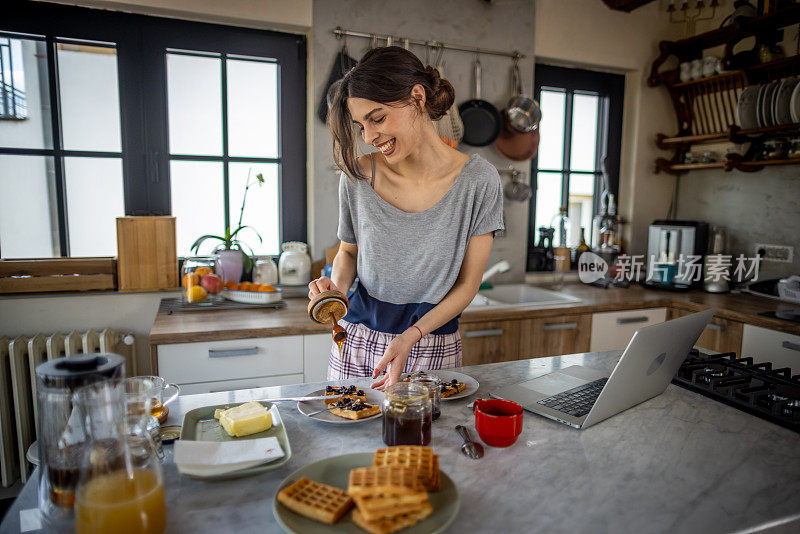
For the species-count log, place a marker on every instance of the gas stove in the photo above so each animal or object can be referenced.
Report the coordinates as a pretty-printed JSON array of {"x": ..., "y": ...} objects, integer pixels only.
[{"x": 756, "y": 388}]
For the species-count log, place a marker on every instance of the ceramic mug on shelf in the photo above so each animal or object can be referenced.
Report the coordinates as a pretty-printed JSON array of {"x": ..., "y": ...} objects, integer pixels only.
[
  {"x": 498, "y": 422},
  {"x": 697, "y": 69},
  {"x": 685, "y": 71},
  {"x": 711, "y": 65}
]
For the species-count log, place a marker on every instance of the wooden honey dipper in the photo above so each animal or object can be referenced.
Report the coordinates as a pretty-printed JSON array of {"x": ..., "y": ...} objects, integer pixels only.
[{"x": 327, "y": 308}]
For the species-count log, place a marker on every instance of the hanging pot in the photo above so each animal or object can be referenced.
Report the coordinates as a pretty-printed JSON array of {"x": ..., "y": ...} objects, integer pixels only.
[
  {"x": 482, "y": 122},
  {"x": 522, "y": 112},
  {"x": 517, "y": 146}
]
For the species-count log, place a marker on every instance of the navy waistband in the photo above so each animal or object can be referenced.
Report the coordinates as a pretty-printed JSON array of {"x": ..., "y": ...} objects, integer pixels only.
[{"x": 390, "y": 318}]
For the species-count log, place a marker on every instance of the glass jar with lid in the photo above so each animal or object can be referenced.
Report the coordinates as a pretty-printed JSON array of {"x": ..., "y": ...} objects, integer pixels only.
[
  {"x": 434, "y": 385},
  {"x": 201, "y": 281},
  {"x": 407, "y": 413}
]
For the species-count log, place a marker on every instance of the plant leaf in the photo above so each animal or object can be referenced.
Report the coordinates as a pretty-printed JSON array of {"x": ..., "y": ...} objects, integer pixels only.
[{"x": 200, "y": 240}]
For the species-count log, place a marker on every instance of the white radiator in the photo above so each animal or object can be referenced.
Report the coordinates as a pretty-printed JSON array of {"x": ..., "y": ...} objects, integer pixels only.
[{"x": 18, "y": 411}]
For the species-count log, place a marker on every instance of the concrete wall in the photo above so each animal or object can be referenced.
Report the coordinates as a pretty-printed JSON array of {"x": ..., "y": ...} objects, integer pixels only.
[{"x": 502, "y": 26}]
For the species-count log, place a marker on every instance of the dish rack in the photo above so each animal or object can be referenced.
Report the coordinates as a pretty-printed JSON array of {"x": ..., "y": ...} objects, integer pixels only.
[
  {"x": 252, "y": 297},
  {"x": 705, "y": 108}
]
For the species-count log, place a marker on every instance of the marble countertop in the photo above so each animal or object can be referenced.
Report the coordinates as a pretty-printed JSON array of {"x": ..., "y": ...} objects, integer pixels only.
[{"x": 678, "y": 463}]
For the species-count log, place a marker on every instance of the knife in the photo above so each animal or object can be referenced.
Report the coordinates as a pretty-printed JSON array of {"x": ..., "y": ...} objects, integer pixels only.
[{"x": 302, "y": 399}]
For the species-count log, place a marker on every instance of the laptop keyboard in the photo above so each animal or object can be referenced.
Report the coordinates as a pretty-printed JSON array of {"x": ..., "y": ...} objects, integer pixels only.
[{"x": 576, "y": 401}]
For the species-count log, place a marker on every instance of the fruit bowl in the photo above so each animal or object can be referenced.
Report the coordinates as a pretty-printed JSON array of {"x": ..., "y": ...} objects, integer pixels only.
[{"x": 252, "y": 297}]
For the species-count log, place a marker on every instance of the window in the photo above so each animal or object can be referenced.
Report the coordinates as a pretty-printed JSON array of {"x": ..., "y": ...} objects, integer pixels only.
[
  {"x": 581, "y": 128},
  {"x": 117, "y": 114}
]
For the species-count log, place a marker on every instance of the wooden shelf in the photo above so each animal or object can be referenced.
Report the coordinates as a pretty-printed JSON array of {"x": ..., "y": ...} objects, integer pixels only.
[
  {"x": 733, "y": 161},
  {"x": 735, "y": 134}
]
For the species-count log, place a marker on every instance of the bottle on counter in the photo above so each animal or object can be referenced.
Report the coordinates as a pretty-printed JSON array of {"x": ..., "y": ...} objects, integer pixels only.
[
  {"x": 581, "y": 248},
  {"x": 561, "y": 253}
]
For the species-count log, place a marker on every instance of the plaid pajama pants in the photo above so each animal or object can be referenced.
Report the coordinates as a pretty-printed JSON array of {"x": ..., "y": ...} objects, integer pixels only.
[{"x": 364, "y": 348}]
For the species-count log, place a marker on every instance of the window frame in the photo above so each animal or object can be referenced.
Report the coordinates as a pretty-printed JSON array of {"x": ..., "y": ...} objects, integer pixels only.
[
  {"x": 611, "y": 89},
  {"x": 141, "y": 44}
]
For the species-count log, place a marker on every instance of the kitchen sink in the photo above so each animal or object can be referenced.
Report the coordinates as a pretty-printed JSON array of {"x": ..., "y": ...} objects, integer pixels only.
[{"x": 515, "y": 294}]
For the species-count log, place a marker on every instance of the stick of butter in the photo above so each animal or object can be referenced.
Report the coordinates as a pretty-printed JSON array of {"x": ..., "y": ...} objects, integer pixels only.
[{"x": 249, "y": 418}]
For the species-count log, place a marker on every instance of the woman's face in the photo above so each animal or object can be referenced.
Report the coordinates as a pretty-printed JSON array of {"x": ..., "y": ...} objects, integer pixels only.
[{"x": 394, "y": 129}]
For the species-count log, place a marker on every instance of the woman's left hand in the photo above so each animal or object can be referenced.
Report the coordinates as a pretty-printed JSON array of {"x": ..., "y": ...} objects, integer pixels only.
[{"x": 394, "y": 360}]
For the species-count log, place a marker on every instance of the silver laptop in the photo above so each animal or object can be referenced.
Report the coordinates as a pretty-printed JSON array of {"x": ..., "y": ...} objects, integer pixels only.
[{"x": 580, "y": 396}]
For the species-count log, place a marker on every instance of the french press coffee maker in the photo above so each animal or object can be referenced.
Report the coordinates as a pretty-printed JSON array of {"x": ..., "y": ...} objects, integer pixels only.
[{"x": 61, "y": 434}]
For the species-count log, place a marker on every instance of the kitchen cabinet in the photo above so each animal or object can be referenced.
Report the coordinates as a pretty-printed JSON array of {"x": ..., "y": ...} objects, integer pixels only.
[
  {"x": 490, "y": 341},
  {"x": 613, "y": 330},
  {"x": 720, "y": 335},
  {"x": 765, "y": 345},
  {"x": 244, "y": 383},
  {"x": 316, "y": 351},
  {"x": 553, "y": 336}
]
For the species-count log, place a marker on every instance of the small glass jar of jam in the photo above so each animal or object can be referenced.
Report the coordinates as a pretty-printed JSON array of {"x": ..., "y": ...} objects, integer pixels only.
[
  {"x": 434, "y": 386},
  {"x": 407, "y": 414}
]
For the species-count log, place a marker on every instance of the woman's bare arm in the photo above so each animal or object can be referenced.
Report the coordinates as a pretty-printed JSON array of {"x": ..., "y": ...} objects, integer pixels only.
[{"x": 342, "y": 274}]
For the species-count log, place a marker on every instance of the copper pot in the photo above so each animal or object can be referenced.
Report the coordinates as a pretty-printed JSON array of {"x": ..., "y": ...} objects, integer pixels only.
[{"x": 515, "y": 145}]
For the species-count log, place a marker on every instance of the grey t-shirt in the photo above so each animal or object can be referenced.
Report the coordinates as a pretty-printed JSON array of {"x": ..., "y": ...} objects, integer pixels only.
[{"x": 407, "y": 262}]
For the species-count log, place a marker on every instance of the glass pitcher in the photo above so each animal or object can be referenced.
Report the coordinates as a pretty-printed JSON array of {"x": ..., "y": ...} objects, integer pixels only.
[{"x": 120, "y": 488}]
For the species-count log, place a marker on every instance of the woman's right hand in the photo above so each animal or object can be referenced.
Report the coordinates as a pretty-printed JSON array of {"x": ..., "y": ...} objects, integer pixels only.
[{"x": 319, "y": 285}]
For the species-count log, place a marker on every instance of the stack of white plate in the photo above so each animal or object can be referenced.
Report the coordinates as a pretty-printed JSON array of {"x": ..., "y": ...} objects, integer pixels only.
[{"x": 775, "y": 103}]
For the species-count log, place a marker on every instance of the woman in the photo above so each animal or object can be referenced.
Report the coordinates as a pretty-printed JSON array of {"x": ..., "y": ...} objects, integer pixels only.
[{"x": 416, "y": 221}]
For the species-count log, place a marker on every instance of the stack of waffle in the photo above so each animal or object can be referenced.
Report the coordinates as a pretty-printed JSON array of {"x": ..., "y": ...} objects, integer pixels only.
[
  {"x": 317, "y": 501},
  {"x": 392, "y": 494}
]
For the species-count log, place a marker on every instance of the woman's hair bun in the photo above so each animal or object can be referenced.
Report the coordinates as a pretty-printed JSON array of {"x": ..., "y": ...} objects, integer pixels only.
[{"x": 442, "y": 95}]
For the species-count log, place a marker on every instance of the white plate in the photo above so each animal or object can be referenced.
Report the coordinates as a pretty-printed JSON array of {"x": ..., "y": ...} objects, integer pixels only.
[
  {"x": 373, "y": 397},
  {"x": 759, "y": 100},
  {"x": 252, "y": 297},
  {"x": 794, "y": 107},
  {"x": 767, "y": 104},
  {"x": 746, "y": 107},
  {"x": 446, "y": 376},
  {"x": 783, "y": 100}
]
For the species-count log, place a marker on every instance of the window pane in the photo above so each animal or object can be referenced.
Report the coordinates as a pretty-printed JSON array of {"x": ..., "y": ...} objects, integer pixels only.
[
  {"x": 261, "y": 210},
  {"x": 197, "y": 203},
  {"x": 551, "y": 145},
  {"x": 194, "y": 92},
  {"x": 548, "y": 199},
  {"x": 252, "y": 108},
  {"x": 581, "y": 206},
  {"x": 24, "y": 97},
  {"x": 584, "y": 132},
  {"x": 87, "y": 77},
  {"x": 27, "y": 222},
  {"x": 94, "y": 201}
]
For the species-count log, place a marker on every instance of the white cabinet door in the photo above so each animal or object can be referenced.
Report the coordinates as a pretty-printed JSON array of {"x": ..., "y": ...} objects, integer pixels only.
[
  {"x": 245, "y": 383},
  {"x": 613, "y": 330},
  {"x": 186, "y": 363},
  {"x": 316, "y": 350},
  {"x": 765, "y": 345}
]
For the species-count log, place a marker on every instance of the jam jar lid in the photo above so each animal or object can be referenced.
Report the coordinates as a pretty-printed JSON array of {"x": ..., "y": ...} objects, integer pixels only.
[{"x": 79, "y": 370}]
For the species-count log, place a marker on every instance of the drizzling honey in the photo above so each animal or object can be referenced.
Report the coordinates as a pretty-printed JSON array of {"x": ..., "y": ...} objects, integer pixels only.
[{"x": 339, "y": 334}]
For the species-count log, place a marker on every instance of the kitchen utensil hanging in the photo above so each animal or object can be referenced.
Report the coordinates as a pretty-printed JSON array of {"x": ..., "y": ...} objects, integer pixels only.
[
  {"x": 341, "y": 64},
  {"x": 482, "y": 122},
  {"x": 522, "y": 112},
  {"x": 513, "y": 143},
  {"x": 449, "y": 127},
  {"x": 517, "y": 188}
]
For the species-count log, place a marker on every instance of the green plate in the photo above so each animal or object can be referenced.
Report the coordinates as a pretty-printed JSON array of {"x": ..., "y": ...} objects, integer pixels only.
[
  {"x": 199, "y": 425},
  {"x": 335, "y": 472}
]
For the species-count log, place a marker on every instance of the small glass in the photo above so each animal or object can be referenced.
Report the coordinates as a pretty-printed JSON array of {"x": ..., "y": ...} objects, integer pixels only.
[
  {"x": 434, "y": 386},
  {"x": 794, "y": 148},
  {"x": 200, "y": 281},
  {"x": 407, "y": 414}
]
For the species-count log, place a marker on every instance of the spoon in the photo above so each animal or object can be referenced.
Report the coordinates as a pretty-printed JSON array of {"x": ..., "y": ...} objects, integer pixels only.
[{"x": 469, "y": 448}]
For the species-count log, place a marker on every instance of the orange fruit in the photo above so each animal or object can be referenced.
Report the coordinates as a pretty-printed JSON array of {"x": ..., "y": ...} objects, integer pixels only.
[
  {"x": 244, "y": 286},
  {"x": 230, "y": 284},
  {"x": 202, "y": 271},
  {"x": 191, "y": 279},
  {"x": 195, "y": 294},
  {"x": 266, "y": 288},
  {"x": 254, "y": 287}
]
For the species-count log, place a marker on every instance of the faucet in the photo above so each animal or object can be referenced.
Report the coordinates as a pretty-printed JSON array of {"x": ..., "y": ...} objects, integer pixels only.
[{"x": 498, "y": 268}]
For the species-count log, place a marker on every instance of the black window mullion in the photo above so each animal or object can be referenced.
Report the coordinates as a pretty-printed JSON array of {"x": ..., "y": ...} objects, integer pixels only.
[
  {"x": 567, "y": 154},
  {"x": 58, "y": 158},
  {"x": 224, "y": 110}
]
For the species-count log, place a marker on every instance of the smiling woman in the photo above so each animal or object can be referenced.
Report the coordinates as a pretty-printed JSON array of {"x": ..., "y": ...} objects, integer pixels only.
[{"x": 416, "y": 220}]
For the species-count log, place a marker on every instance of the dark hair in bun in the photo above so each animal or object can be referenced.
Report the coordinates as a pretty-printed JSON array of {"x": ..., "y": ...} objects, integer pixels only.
[{"x": 385, "y": 75}]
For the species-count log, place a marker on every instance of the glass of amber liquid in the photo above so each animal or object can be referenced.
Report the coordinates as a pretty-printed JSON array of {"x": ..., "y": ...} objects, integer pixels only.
[
  {"x": 161, "y": 393},
  {"x": 120, "y": 487}
]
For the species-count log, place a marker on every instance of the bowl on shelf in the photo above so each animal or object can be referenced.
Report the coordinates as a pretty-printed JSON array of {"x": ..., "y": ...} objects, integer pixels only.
[{"x": 252, "y": 297}]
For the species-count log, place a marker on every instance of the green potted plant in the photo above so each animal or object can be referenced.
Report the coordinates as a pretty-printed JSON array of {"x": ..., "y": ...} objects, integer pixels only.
[{"x": 232, "y": 253}]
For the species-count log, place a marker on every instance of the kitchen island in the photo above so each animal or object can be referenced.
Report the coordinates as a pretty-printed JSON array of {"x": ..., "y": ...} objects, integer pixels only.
[{"x": 678, "y": 463}]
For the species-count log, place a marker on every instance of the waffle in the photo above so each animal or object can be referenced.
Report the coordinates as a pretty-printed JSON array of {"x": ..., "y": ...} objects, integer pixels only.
[
  {"x": 376, "y": 507},
  {"x": 318, "y": 501},
  {"x": 448, "y": 389},
  {"x": 352, "y": 392},
  {"x": 386, "y": 480},
  {"x": 353, "y": 409},
  {"x": 421, "y": 459},
  {"x": 386, "y": 526}
]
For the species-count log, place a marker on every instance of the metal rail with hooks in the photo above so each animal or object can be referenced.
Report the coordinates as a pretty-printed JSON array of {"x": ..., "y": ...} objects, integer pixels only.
[{"x": 340, "y": 33}]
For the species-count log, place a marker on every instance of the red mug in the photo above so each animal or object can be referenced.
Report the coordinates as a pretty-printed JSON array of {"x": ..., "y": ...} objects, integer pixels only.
[{"x": 497, "y": 421}]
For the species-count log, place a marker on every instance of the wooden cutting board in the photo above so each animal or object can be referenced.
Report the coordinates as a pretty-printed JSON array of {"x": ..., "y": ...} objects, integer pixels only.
[{"x": 147, "y": 257}]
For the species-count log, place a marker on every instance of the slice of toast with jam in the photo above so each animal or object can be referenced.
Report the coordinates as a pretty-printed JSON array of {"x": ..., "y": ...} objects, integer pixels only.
[
  {"x": 352, "y": 408},
  {"x": 336, "y": 392}
]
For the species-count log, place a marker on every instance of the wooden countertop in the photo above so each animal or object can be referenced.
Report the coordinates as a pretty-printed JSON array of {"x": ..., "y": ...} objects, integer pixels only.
[{"x": 293, "y": 320}]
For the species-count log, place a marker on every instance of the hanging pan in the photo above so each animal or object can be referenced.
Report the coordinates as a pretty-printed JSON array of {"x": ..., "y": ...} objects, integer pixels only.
[
  {"x": 482, "y": 121},
  {"x": 519, "y": 137}
]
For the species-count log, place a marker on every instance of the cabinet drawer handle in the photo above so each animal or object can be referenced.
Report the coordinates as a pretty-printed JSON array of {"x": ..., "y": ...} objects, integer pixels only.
[
  {"x": 629, "y": 320},
  {"x": 791, "y": 346},
  {"x": 227, "y": 353},
  {"x": 717, "y": 327},
  {"x": 560, "y": 326},
  {"x": 484, "y": 333}
]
